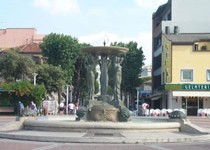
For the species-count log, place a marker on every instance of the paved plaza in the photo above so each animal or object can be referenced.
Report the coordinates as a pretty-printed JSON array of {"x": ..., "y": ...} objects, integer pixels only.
[{"x": 104, "y": 136}]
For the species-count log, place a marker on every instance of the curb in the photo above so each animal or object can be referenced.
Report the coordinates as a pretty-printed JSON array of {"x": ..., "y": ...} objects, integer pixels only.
[
  {"x": 107, "y": 140},
  {"x": 13, "y": 131}
]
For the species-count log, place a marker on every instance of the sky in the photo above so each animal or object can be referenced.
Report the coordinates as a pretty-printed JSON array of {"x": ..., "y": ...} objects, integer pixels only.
[{"x": 90, "y": 21}]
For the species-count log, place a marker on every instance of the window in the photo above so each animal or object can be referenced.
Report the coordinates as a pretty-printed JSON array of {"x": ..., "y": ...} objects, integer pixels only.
[
  {"x": 196, "y": 47},
  {"x": 186, "y": 75},
  {"x": 208, "y": 75},
  {"x": 203, "y": 47}
]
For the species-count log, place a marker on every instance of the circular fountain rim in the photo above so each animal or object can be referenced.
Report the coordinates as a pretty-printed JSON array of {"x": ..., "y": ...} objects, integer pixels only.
[{"x": 105, "y": 50}]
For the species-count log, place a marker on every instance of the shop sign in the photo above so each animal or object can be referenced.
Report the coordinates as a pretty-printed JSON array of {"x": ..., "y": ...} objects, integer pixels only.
[{"x": 196, "y": 87}]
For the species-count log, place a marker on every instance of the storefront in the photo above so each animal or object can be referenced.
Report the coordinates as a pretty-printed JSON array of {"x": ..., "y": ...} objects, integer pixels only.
[{"x": 190, "y": 97}]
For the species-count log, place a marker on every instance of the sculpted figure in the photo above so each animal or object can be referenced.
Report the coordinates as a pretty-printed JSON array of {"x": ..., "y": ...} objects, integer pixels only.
[
  {"x": 91, "y": 75},
  {"x": 104, "y": 63},
  {"x": 118, "y": 77}
]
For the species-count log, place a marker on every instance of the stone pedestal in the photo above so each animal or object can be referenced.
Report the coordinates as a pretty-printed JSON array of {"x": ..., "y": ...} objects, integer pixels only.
[{"x": 102, "y": 111}]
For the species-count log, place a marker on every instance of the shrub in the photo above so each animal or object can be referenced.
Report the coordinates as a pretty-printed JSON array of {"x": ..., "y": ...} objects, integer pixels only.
[
  {"x": 124, "y": 115},
  {"x": 81, "y": 112}
]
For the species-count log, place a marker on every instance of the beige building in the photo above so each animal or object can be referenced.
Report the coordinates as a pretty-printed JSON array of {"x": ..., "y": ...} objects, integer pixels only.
[
  {"x": 180, "y": 56},
  {"x": 186, "y": 72}
]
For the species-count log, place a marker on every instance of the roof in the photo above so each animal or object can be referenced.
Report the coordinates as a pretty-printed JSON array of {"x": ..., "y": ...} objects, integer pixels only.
[
  {"x": 185, "y": 38},
  {"x": 30, "y": 48},
  {"x": 161, "y": 8}
]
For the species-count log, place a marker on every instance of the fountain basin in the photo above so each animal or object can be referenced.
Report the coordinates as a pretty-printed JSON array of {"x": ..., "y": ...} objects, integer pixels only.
[
  {"x": 82, "y": 126},
  {"x": 105, "y": 50}
]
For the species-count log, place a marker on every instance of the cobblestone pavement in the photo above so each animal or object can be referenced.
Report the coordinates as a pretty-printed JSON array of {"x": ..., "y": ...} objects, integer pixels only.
[
  {"x": 6, "y": 144},
  {"x": 6, "y": 119},
  {"x": 200, "y": 121}
]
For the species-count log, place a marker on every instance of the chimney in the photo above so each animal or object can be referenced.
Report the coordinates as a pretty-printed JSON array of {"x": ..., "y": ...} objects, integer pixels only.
[
  {"x": 176, "y": 29},
  {"x": 167, "y": 30}
]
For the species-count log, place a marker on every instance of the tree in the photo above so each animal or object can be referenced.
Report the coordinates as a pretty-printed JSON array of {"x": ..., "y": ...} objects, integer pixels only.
[
  {"x": 14, "y": 66},
  {"x": 80, "y": 73},
  {"x": 53, "y": 77},
  {"x": 61, "y": 50},
  {"x": 131, "y": 66},
  {"x": 22, "y": 91}
]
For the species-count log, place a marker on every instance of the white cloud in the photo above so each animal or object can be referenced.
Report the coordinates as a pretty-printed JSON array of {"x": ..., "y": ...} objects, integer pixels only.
[
  {"x": 97, "y": 12},
  {"x": 147, "y": 4},
  {"x": 143, "y": 40},
  {"x": 58, "y": 6}
]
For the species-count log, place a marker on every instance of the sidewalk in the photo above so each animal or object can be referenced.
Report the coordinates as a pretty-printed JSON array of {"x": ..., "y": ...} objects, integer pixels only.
[{"x": 100, "y": 136}]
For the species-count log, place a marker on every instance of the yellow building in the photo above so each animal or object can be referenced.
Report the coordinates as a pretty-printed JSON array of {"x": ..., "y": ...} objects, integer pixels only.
[{"x": 185, "y": 72}]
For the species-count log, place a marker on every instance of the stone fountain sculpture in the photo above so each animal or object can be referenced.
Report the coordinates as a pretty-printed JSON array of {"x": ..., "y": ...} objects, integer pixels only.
[{"x": 104, "y": 108}]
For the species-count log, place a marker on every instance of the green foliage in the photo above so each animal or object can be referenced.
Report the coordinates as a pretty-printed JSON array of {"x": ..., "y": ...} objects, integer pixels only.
[
  {"x": 14, "y": 66},
  {"x": 61, "y": 50},
  {"x": 38, "y": 92},
  {"x": 51, "y": 76},
  {"x": 131, "y": 66},
  {"x": 23, "y": 91},
  {"x": 80, "y": 74}
]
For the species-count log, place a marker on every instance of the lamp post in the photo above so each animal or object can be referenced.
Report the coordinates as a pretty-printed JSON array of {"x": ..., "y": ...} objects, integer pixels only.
[
  {"x": 67, "y": 99},
  {"x": 71, "y": 90},
  {"x": 137, "y": 107},
  {"x": 34, "y": 75},
  {"x": 68, "y": 88}
]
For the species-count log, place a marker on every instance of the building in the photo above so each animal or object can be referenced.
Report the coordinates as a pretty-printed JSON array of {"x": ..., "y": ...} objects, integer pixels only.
[
  {"x": 145, "y": 89},
  {"x": 15, "y": 37},
  {"x": 24, "y": 39},
  {"x": 146, "y": 71},
  {"x": 180, "y": 41}
]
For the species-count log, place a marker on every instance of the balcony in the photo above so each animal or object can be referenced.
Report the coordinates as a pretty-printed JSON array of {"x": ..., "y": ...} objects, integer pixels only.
[{"x": 158, "y": 51}]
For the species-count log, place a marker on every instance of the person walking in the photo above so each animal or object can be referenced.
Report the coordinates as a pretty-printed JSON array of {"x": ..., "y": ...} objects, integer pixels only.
[
  {"x": 61, "y": 108},
  {"x": 145, "y": 106},
  {"x": 20, "y": 108},
  {"x": 33, "y": 106},
  {"x": 71, "y": 108}
]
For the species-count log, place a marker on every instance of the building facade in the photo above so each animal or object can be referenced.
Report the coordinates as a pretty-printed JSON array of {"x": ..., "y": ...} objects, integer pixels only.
[
  {"x": 180, "y": 68},
  {"x": 26, "y": 40},
  {"x": 15, "y": 37}
]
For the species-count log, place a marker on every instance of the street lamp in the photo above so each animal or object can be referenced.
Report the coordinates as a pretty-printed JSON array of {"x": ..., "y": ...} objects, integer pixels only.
[
  {"x": 67, "y": 99},
  {"x": 68, "y": 88},
  {"x": 71, "y": 90},
  {"x": 34, "y": 75}
]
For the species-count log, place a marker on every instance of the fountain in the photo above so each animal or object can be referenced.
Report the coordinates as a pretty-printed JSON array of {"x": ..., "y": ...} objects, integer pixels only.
[
  {"x": 101, "y": 108},
  {"x": 104, "y": 108}
]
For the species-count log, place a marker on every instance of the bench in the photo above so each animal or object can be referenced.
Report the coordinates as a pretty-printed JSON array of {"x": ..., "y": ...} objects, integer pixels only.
[{"x": 6, "y": 109}]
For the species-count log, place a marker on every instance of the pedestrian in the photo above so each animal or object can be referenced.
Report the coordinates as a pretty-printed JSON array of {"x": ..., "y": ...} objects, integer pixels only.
[
  {"x": 145, "y": 106},
  {"x": 21, "y": 108},
  {"x": 18, "y": 106},
  {"x": 61, "y": 108},
  {"x": 33, "y": 106},
  {"x": 76, "y": 105},
  {"x": 71, "y": 108}
]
